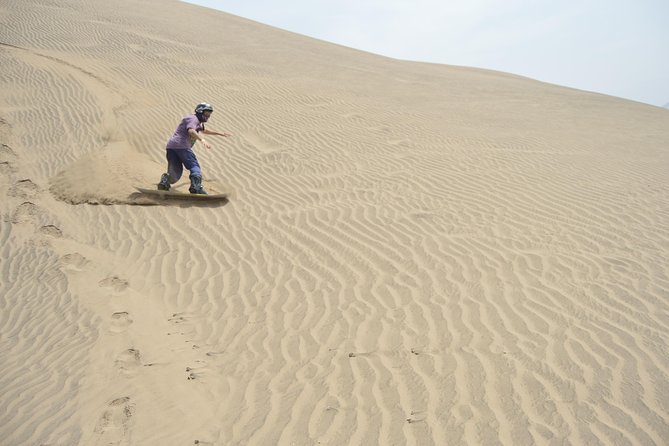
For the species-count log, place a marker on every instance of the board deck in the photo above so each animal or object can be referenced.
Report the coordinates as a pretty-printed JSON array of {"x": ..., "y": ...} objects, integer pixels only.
[{"x": 181, "y": 195}]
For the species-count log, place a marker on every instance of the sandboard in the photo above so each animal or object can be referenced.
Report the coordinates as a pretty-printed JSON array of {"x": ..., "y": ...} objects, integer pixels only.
[{"x": 182, "y": 195}]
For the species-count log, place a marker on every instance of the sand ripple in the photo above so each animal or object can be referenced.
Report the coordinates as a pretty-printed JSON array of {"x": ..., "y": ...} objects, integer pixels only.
[{"x": 415, "y": 254}]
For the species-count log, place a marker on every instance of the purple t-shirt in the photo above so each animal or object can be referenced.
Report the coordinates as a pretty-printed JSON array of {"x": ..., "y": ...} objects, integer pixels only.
[{"x": 181, "y": 139}]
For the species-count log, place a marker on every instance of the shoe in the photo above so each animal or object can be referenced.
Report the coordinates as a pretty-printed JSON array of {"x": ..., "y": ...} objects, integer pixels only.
[
  {"x": 164, "y": 182},
  {"x": 196, "y": 185}
]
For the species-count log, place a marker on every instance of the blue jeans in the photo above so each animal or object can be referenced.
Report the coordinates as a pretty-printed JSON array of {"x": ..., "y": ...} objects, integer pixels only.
[{"x": 177, "y": 159}]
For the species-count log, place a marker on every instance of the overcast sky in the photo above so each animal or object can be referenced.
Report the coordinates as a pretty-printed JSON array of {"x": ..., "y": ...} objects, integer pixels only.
[{"x": 616, "y": 47}]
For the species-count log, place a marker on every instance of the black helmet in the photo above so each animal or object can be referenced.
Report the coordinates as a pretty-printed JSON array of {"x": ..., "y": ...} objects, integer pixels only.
[
  {"x": 200, "y": 109},
  {"x": 203, "y": 107}
]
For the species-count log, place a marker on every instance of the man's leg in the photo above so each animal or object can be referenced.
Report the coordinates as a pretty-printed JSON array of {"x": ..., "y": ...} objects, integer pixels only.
[
  {"x": 174, "y": 165},
  {"x": 174, "y": 170},
  {"x": 190, "y": 161}
]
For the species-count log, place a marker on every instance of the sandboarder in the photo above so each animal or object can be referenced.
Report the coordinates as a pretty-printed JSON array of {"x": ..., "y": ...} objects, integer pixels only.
[{"x": 180, "y": 149}]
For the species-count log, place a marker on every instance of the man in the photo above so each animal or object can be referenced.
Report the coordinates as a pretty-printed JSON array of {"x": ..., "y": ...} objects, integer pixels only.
[{"x": 180, "y": 149}]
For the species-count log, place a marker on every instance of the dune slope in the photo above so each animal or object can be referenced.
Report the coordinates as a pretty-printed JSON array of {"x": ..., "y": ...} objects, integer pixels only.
[{"x": 413, "y": 253}]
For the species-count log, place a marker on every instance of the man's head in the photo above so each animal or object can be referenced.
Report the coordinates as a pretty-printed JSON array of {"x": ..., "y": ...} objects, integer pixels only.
[{"x": 203, "y": 111}]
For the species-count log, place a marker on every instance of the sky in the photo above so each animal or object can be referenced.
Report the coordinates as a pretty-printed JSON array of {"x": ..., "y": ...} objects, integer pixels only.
[{"x": 615, "y": 47}]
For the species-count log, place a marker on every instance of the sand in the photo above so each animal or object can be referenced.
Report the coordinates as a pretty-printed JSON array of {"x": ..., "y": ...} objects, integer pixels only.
[{"x": 413, "y": 253}]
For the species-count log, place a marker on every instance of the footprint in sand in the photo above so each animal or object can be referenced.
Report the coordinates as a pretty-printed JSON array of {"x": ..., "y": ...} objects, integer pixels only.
[
  {"x": 25, "y": 189},
  {"x": 47, "y": 232},
  {"x": 51, "y": 231},
  {"x": 115, "y": 283},
  {"x": 120, "y": 322},
  {"x": 74, "y": 261},
  {"x": 25, "y": 212},
  {"x": 7, "y": 158},
  {"x": 114, "y": 424},
  {"x": 128, "y": 361}
]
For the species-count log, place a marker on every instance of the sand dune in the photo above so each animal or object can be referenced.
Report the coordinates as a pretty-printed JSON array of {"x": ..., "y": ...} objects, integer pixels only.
[{"x": 414, "y": 253}]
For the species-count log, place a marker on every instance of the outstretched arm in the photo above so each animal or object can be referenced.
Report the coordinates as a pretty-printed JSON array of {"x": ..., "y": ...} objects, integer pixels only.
[{"x": 211, "y": 132}]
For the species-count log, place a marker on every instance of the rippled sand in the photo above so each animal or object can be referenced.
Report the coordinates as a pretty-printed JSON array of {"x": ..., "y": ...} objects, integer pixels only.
[{"x": 412, "y": 253}]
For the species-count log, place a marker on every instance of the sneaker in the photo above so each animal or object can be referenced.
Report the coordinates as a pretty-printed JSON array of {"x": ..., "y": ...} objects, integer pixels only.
[
  {"x": 164, "y": 182},
  {"x": 196, "y": 185}
]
